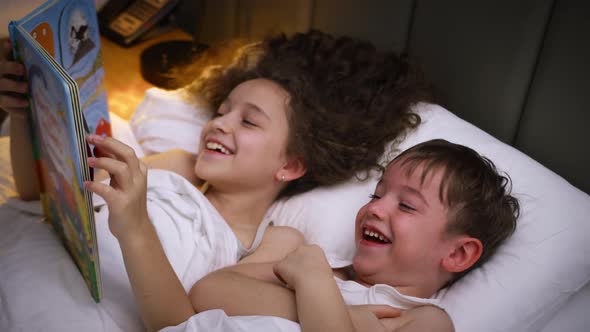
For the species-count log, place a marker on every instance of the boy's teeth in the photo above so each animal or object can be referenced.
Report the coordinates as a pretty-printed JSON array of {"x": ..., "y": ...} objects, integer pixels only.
[
  {"x": 376, "y": 236},
  {"x": 217, "y": 147}
]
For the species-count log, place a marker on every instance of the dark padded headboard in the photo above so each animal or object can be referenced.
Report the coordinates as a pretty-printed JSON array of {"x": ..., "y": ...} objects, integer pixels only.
[{"x": 519, "y": 70}]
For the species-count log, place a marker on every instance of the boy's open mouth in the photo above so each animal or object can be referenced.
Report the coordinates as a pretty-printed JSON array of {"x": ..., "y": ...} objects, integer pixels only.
[{"x": 373, "y": 235}]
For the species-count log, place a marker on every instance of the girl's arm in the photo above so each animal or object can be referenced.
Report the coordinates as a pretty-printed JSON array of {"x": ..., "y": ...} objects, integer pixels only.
[
  {"x": 245, "y": 289},
  {"x": 160, "y": 296}
]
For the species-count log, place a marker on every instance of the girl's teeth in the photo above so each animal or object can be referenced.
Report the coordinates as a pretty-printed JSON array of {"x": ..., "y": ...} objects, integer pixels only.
[{"x": 217, "y": 147}]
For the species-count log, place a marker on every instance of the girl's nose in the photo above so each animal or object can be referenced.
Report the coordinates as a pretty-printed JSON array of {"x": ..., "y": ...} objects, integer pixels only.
[{"x": 221, "y": 123}]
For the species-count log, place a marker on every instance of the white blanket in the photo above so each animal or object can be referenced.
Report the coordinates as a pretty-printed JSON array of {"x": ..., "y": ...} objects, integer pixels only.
[
  {"x": 38, "y": 280},
  {"x": 218, "y": 321}
]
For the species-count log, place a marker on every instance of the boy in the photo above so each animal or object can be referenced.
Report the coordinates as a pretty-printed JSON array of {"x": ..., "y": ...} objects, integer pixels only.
[{"x": 439, "y": 211}]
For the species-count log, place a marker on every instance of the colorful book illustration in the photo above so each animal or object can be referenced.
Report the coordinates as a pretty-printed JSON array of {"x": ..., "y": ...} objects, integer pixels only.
[{"x": 59, "y": 45}]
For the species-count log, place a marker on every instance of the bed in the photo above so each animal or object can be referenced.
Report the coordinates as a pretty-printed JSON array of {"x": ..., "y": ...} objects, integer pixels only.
[
  {"x": 538, "y": 281},
  {"x": 516, "y": 92}
]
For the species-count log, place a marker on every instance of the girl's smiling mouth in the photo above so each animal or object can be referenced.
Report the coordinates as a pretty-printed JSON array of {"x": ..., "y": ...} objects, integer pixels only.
[{"x": 214, "y": 146}]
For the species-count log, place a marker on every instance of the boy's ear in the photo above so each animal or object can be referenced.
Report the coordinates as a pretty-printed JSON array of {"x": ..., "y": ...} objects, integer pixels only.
[
  {"x": 293, "y": 169},
  {"x": 465, "y": 252}
]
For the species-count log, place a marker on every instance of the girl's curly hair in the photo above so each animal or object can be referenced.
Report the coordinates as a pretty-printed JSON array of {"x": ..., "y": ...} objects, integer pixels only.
[{"x": 348, "y": 100}]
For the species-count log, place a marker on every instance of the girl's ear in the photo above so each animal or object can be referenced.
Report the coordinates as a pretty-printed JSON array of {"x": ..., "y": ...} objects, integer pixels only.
[
  {"x": 291, "y": 170},
  {"x": 465, "y": 252}
]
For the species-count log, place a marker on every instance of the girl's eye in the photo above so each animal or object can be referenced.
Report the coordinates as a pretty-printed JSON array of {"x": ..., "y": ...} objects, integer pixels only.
[
  {"x": 221, "y": 110},
  {"x": 374, "y": 197},
  {"x": 406, "y": 207}
]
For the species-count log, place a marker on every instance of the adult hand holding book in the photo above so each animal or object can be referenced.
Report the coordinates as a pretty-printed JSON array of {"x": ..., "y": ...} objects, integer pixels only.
[{"x": 12, "y": 87}]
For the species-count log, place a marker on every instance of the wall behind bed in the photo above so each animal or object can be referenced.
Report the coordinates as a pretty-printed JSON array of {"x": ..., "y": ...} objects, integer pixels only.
[{"x": 516, "y": 69}]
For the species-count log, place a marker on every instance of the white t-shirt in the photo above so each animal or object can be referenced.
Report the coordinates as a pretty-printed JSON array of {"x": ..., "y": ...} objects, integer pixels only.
[{"x": 357, "y": 294}]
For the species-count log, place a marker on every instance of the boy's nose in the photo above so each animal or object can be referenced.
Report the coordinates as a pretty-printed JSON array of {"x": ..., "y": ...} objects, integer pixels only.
[{"x": 375, "y": 210}]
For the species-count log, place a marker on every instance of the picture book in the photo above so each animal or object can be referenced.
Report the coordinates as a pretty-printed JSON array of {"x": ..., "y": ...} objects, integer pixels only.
[{"x": 58, "y": 43}]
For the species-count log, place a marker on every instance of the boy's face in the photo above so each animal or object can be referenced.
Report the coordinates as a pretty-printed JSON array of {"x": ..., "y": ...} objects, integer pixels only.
[{"x": 400, "y": 232}]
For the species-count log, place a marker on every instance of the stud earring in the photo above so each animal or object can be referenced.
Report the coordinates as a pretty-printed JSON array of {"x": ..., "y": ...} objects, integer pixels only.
[{"x": 283, "y": 178}]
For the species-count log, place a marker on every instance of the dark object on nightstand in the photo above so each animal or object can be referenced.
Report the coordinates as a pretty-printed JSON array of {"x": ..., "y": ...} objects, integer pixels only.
[
  {"x": 157, "y": 61},
  {"x": 3, "y": 116}
]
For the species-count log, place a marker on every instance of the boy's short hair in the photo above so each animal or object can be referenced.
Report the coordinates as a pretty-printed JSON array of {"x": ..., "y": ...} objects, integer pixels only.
[{"x": 476, "y": 195}]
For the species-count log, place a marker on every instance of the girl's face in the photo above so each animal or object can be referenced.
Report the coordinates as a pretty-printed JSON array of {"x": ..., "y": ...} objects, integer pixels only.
[
  {"x": 400, "y": 233},
  {"x": 244, "y": 146}
]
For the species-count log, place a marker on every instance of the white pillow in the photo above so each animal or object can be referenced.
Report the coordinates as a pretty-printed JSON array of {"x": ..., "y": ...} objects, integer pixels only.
[
  {"x": 531, "y": 276},
  {"x": 122, "y": 131},
  {"x": 165, "y": 121}
]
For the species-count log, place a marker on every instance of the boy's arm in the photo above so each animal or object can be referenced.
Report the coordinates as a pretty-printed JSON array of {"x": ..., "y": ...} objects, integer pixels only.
[
  {"x": 320, "y": 306},
  {"x": 424, "y": 318}
]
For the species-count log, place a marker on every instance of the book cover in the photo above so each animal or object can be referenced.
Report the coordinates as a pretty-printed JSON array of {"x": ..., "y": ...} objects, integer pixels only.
[
  {"x": 68, "y": 30},
  {"x": 59, "y": 125}
]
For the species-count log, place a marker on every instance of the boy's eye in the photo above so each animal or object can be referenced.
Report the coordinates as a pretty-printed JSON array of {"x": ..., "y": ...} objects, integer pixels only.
[{"x": 406, "y": 207}]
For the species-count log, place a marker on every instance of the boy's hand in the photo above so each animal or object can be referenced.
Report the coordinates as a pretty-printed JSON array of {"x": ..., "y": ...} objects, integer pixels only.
[
  {"x": 306, "y": 263},
  {"x": 11, "y": 89},
  {"x": 126, "y": 194}
]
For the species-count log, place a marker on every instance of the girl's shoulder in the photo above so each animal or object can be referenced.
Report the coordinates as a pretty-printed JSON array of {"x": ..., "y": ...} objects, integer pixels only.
[{"x": 178, "y": 161}]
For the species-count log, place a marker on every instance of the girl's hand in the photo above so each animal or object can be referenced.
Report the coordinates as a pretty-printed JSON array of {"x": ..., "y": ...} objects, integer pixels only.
[
  {"x": 126, "y": 194},
  {"x": 11, "y": 87},
  {"x": 304, "y": 264}
]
